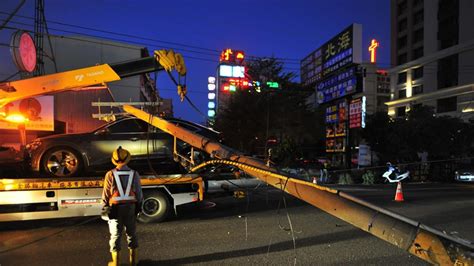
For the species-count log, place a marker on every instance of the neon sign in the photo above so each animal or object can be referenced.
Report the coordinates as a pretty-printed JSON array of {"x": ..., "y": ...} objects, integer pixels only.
[
  {"x": 231, "y": 56},
  {"x": 372, "y": 49}
]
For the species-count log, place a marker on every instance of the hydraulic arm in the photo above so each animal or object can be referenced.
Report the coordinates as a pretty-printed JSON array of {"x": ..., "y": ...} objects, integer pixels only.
[
  {"x": 422, "y": 241},
  {"x": 84, "y": 77}
]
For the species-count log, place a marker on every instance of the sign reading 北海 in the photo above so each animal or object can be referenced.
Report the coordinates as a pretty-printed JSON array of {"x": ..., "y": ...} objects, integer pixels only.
[{"x": 342, "y": 50}]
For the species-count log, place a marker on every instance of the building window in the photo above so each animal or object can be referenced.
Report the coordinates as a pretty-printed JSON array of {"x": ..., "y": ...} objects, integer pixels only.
[
  {"x": 383, "y": 88},
  {"x": 401, "y": 111},
  {"x": 417, "y": 2},
  {"x": 448, "y": 23},
  {"x": 402, "y": 94},
  {"x": 381, "y": 100},
  {"x": 448, "y": 71},
  {"x": 417, "y": 53},
  {"x": 418, "y": 89},
  {"x": 417, "y": 36},
  {"x": 402, "y": 25},
  {"x": 447, "y": 105},
  {"x": 402, "y": 59},
  {"x": 402, "y": 42},
  {"x": 402, "y": 7},
  {"x": 418, "y": 17},
  {"x": 417, "y": 73},
  {"x": 402, "y": 78}
]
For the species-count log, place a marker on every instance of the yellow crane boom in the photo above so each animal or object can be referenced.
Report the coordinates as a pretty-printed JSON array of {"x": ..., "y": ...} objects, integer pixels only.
[
  {"x": 41, "y": 85},
  {"x": 84, "y": 77}
]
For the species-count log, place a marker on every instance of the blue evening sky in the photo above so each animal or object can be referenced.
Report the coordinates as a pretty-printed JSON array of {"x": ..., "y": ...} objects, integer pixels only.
[{"x": 282, "y": 28}]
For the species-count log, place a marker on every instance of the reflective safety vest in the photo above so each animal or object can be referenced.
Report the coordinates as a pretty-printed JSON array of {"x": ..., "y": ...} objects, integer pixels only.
[{"x": 118, "y": 196}]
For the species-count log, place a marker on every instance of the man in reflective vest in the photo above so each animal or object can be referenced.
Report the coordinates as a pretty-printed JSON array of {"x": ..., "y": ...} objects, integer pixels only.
[{"x": 122, "y": 198}]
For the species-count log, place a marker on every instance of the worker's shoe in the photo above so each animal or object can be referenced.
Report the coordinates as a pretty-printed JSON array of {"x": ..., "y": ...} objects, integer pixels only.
[
  {"x": 115, "y": 257},
  {"x": 133, "y": 256}
]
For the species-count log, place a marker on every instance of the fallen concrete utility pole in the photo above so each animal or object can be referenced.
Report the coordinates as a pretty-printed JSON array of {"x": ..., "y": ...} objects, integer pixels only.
[{"x": 420, "y": 240}]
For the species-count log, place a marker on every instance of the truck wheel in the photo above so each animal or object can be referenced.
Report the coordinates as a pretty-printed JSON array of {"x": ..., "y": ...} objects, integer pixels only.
[
  {"x": 61, "y": 162},
  {"x": 155, "y": 208}
]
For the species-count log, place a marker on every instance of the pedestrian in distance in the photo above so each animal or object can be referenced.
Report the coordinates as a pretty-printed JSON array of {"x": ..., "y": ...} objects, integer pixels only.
[
  {"x": 324, "y": 176},
  {"x": 122, "y": 199}
]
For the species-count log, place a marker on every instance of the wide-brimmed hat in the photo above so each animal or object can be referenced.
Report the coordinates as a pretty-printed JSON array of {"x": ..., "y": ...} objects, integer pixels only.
[{"x": 121, "y": 156}]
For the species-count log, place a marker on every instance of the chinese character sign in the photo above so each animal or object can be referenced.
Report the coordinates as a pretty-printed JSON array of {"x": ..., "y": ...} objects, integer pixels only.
[
  {"x": 342, "y": 50},
  {"x": 357, "y": 113}
]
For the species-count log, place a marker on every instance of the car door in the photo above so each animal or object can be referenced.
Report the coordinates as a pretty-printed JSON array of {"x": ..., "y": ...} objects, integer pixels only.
[
  {"x": 128, "y": 133},
  {"x": 158, "y": 144}
]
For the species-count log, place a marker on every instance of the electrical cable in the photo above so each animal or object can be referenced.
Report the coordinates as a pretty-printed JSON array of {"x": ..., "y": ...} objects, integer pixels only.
[
  {"x": 251, "y": 58},
  {"x": 121, "y": 34},
  {"x": 9, "y": 77},
  {"x": 11, "y": 15}
]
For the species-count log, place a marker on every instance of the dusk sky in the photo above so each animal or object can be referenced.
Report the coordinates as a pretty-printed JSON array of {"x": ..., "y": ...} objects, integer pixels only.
[{"x": 284, "y": 29}]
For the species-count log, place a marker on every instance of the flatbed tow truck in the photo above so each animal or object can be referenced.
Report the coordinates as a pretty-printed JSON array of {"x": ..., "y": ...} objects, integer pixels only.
[
  {"x": 46, "y": 198},
  {"x": 30, "y": 198},
  {"x": 416, "y": 238}
]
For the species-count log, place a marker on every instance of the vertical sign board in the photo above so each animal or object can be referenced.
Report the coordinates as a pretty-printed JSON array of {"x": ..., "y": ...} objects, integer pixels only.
[
  {"x": 357, "y": 113},
  {"x": 365, "y": 155},
  {"x": 38, "y": 110},
  {"x": 211, "y": 104},
  {"x": 336, "y": 117}
]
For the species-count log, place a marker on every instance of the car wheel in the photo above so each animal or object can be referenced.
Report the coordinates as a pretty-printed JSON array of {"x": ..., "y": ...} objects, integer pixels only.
[
  {"x": 61, "y": 162},
  {"x": 155, "y": 207}
]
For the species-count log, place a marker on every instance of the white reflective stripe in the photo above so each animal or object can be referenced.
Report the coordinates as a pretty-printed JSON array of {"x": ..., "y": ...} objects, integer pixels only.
[{"x": 123, "y": 196}]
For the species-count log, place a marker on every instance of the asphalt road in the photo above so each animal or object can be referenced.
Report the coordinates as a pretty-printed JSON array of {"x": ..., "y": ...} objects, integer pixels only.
[{"x": 248, "y": 231}]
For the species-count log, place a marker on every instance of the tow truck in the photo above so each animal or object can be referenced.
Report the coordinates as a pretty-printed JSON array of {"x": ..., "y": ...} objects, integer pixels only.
[
  {"x": 419, "y": 239},
  {"x": 32, "y": 197}
]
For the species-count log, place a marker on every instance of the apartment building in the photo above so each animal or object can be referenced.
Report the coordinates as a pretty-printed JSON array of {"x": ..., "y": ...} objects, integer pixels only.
[{"x": 432, "y": 57}]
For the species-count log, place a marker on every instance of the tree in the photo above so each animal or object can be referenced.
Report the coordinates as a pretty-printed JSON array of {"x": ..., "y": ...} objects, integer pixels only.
[
  {"x": 401, "y": 139},
  {"x": 251, "y": 117}
]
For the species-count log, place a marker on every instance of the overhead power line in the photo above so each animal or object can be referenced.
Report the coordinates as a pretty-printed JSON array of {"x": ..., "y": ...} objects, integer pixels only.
[
  {"x": 217, "y": 52},
  {"x": 119, "y": 34}
]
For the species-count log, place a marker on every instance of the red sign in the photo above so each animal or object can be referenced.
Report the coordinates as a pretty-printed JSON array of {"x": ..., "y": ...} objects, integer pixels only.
[{"x": 355, "y": 113}]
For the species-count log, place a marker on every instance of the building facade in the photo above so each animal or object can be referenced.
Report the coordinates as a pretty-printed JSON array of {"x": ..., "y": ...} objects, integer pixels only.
[
  {"x": 432, "y": 56},
  {"x": 78, "y": 52},
  {"x": 347, "y": 88}
]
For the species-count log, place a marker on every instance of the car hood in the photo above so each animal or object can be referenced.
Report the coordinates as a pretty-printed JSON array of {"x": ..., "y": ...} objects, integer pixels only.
[{"x": 76, "y": 136}]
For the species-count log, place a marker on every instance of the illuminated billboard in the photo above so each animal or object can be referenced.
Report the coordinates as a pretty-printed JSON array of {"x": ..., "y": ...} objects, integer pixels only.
[
  {"x": 357, "y": 113},
  {"x": 38, "y": 110},
  {"x": 338, "y": 85},
  {"x": 232, "y": 56},
  {"x": 342, "y": 50},
  {"x": 336, "y": 129},
  {"x": 229, "y": 71}
]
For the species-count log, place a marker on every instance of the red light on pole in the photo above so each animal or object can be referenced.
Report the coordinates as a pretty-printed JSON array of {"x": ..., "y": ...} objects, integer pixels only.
[{"x": 372, "y": 49}]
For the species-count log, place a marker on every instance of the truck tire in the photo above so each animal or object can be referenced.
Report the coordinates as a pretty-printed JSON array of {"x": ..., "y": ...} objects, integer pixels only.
[{"x": 155, "y": 208}]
